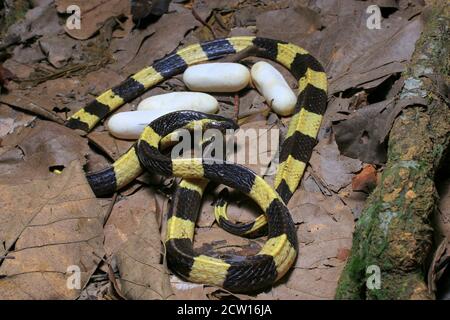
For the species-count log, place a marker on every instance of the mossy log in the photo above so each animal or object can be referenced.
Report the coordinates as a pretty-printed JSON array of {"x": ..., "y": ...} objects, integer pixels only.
[{"x": 394, "y": 234}]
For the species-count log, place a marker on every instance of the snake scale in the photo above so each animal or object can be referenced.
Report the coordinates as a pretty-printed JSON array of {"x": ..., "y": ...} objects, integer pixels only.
[{"x": 233, "y": 272}]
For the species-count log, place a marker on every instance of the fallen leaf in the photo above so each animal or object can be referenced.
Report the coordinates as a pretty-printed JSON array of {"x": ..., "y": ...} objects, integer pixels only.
[
  {"x": 360, "y": 57},
  {"x": 31, "y": 154},
  {"x": 5, "y": 76},
  {"x": 126, "y": 217},
  {"x": 142, "y": 48},
  {"x": 288, "y": 24},
  {"x": 10, "y": 120},
  {"x": 58, "y": 49},
  {"x": 94, "y": 14},
  {"x": 40, "y": 20},
  {"x": 52, "y": 227},
  {"x": 184, "y": 290},
  {"x": 114, "y": 148},
  {"x": 335, "y": 170},
  {"x": 355, "y": 200},
  {"x": 142, "y": 276},
  {"x": 28, "y": 54},
  {"x": 366, "y": 180},
  {"x": 363, "y": 134},
  {"x": 372, "y": 65}
]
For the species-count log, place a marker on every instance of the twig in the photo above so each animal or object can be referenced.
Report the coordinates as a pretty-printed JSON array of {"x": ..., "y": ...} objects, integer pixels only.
[
  {"x": 197, "y": 17},
  {"x": 236, "y": 107},
  {"x": 220, "y": 22},
  {"x": 251, "y": 51},
  {"x": 110, "y": 208},
  {"x": 112, "y": 279}
]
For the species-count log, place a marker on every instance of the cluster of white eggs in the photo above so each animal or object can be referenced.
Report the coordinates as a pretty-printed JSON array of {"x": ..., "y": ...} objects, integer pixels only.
[{"x": 209, "y": 77}]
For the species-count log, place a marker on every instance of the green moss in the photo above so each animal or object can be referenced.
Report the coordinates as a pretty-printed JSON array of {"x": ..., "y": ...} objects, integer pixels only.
[{"x": 15, "y": 13}]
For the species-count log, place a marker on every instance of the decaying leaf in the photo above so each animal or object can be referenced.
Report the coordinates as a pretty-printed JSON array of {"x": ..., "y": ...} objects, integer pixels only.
[
  {"x": 126, "y": 216},
  {"x": 94, "y": 13},
  {"x": 297, "y": 21},
  {"x": 142, "y": 47},
  {"x": 366, "y": 180},
  {"x": 11, "y": 120},
  {"x": 33, "y": 153},
  {"x": 114, "y": 148},
  {"x": 142, "y": 276},
  {"x": 5, "y": 76},
  {"x": 51, "y": 227},
  {"x": 58, "y": 49},
  {"x": 51, "y": 219},
  {"x": 363, "y": 135},
  {"x": 335, "y": 170},
  {"x": 38, "y": 21}
]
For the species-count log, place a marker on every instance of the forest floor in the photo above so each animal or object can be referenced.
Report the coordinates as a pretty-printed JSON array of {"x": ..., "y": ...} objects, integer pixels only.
[{"x": 51, "y": 223}]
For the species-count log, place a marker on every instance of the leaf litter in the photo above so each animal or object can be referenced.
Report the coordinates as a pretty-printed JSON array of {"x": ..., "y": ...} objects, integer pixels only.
[{"x": 52, "y": 220}]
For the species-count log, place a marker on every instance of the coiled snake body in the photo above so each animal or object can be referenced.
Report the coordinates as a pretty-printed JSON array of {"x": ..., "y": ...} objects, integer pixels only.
[{"x": 233, "y": 272}]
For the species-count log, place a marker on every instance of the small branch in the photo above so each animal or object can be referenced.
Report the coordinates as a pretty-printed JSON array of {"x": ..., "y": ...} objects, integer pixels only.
[
  {"x": 110, "y": 208},
  {"x": 236, "y": 107},
  {"x": 220, "y": 22},
  {"x": 198, "y": 18},
  {"x": 251, "y": 51}
]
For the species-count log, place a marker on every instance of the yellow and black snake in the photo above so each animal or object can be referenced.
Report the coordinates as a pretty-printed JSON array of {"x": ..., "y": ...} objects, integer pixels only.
[{"x": 233, "y": 272}]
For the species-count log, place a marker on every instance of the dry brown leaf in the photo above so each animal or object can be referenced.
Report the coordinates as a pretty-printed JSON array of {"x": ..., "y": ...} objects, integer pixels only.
[
  {"x": 215, "y": 240},
  {"x": 256, "y": 146},
  {"x": 372, "y": 65},
  {"x": 206, "y": 216},
  {"x": 141, "y": 48},
  {"x": 363, "y": 133},
  {"x": 58, "y": 49},
  {"x": 359, "y": 57},
  {"x": 39, "y": 21},
  {"x": 94, "y": 14},
  {"x": 333, "y": 169},
  {"x": 296, "y": 21},
  {"x": 126, "y": 217},
  {"x": 366, "y": 180},
  {"x": 48, "y": 225},
  {"x": 184, "y": 290},
  {"x": 32, "y": 153},
  {"x": 142, "y": 276},
  {"x": 114, "y": 148},
  {"x": 11, "y": 120}
]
